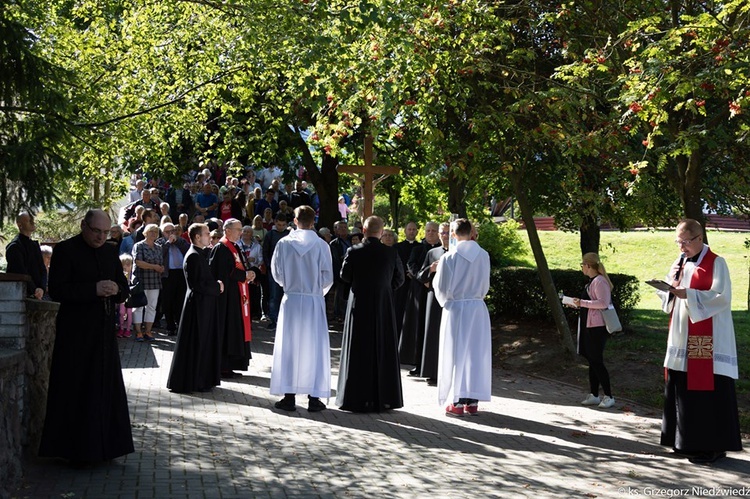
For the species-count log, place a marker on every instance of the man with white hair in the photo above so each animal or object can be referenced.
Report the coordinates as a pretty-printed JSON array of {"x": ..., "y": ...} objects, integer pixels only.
[
  {"x": 135, "y": 194},
  {"x": 146, "y": 200},
  {"x": 233, "y": 318}
]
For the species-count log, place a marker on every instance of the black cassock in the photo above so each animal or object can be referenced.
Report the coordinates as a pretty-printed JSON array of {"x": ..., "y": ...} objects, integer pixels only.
[
  {"x": 235, "y": 351},
  {"x": 433, "y": 314},
  {"x": 402, "y": 293},
  {"x": 412, "y": 332},
  {"x": 370, "y": 372},
  {"x": 87, "y": 408},
  {"x": 196, "y": 364}
]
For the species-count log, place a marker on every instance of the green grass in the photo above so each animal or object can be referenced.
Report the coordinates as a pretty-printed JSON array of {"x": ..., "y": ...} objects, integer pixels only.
[{"x": 646, "y": 255}]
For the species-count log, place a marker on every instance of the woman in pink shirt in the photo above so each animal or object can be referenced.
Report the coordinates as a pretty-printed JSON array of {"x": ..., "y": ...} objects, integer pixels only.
[{"x": 592, "y": 333}]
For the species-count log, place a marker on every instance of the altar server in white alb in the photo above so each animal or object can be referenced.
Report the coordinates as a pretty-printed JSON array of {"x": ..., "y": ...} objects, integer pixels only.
[
  {"x": 700, "y": 411},
  {"x": 461, "y": 282},
  {"x": 301, "y": 264}
]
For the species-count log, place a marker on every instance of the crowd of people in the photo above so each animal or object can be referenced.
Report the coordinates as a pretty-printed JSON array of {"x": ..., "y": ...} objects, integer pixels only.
[{"x": 409, "y": 302}]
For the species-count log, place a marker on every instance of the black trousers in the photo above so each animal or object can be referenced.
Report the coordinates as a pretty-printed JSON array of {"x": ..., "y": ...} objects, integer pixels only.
[
  {"x": 591, "y": 347},
  {"x": 172, "y": 297}
]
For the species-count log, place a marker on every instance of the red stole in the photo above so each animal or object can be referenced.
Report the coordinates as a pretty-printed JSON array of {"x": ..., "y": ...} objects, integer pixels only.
[
  {"x": 244, "y": 291},
  {"x": 700, "y": 342}
]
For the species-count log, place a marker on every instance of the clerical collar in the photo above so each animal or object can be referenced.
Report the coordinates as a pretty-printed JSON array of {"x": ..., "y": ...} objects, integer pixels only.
[{"x": 693, "y": 259}]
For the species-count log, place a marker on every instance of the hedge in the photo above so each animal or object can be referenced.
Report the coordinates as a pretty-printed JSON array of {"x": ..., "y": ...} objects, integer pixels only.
[{"x": 516, "y": 293}]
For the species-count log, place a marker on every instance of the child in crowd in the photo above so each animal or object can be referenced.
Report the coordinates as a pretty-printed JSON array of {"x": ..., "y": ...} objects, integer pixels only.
[{"x": 126, "y": 314}]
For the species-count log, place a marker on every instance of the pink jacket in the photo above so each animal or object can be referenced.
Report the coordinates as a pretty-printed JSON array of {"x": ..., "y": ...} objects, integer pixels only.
[{"x": 601, "y": 297}]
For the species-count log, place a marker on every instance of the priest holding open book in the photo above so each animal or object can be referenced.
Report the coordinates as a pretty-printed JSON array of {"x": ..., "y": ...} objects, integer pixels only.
[{"x": 700, "y": 411}]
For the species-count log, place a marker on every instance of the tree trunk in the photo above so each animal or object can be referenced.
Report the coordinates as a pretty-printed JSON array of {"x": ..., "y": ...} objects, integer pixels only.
[
  {"x": 325, "y": 180},
  {"x": 456, "y": 192},
  {"x": 394, "y": 198},
  {"x": 548, "y": 285},
  {"x": 690, "y": 170},
  {"x": 590, "y": 235},
  {"x": 96, "y": 195}
]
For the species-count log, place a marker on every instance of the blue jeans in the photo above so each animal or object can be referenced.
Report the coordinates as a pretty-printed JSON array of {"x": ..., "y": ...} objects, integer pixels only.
[{"x": 276, "y": 292}]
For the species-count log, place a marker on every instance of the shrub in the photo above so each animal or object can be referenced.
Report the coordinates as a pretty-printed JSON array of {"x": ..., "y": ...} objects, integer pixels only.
[
  {"x": 502, "y": 241},
  {"x": 517, "y": 293}
]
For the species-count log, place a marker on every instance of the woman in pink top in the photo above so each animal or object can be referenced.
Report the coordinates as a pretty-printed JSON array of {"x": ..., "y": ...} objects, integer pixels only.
[{"x": 592, "y": 334}]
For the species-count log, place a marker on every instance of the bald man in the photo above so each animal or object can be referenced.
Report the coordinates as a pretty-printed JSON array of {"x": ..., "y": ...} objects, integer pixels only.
[
  {"x": 25, "y": 257},
  {"x": 87, "y": 408}
]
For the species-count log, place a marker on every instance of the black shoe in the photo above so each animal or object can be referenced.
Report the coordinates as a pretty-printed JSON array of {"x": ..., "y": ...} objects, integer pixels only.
[
  {"x": 315, "y": 405},
  {"x": 286, "y": 404},
  {"x": 414, "y": 373},
  {"x": 707, "y": 457},
  {"x": 431, "y": 382},
  {"x": 229, "y": 374}
]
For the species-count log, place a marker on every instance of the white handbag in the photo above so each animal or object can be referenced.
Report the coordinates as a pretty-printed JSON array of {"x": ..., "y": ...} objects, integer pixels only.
[{"x": 611, "y": 321}]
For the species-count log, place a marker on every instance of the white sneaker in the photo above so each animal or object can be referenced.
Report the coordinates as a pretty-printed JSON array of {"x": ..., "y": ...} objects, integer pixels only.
[
  {"x": 607, "y": 402},
  {"x": 591, "y": 400}
]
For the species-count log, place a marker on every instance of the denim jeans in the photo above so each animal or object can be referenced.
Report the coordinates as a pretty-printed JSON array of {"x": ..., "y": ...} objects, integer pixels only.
[{"x": 276, "y": 292}]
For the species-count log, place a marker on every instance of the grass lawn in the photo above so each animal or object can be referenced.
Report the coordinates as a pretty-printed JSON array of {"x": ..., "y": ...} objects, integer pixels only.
[{"x": 640, "y": 351}]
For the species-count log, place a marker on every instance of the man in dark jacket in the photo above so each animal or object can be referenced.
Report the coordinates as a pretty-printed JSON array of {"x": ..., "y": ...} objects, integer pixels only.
[
  {"x": 173, "y": 282},
  {"x": 274, "y": 290},
  {"x": 25, "y": 257}
]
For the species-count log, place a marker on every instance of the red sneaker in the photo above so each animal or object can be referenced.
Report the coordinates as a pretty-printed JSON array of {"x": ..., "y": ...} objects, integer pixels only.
[
  {"x": 472, "y": 409},
  {"x": 454, "y": 410}
]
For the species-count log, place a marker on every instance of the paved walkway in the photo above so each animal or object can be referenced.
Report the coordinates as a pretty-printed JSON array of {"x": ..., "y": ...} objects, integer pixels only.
[{"x": 532, "y": 440}]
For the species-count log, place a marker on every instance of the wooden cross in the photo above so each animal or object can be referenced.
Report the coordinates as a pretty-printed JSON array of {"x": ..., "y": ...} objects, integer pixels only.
[{"x": 369, "y": 170}]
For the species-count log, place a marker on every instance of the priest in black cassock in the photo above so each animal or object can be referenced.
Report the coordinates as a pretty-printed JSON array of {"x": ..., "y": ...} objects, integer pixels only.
[
  {"x": 412, "y": 332},
  {"x": 233, "y": 312},
  {"x": 433, "y": 310},
  {"x": 87, "y": 409},
  {"x": 196, "y": 361},
  {"x": 404, "y": 251},
  {"x": 370, "y": 372}
]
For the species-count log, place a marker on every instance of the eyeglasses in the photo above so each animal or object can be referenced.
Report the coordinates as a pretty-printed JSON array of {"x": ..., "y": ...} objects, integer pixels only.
[
  {"x": 442, "y": 233},
  {"x": 97, "y": 232},
  {"x": 685, "y": 242}
]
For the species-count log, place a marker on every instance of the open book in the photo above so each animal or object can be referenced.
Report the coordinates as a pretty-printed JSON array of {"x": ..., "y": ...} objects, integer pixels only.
[
  {"x": 567, "y": 300},
  {"x": 660, "y": 285}
]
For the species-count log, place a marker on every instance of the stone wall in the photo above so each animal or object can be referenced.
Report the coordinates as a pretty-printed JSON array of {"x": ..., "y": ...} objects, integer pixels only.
[
  {"x": 40, "y": 341},
  {"x": 11, "y": 407},
  {"x": 12, "y": 377},
  {"x": 27, "y": 335}
]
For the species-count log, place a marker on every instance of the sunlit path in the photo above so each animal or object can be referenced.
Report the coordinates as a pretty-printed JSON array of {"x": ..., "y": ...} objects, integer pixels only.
[{"x": 532, "y": 440}]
